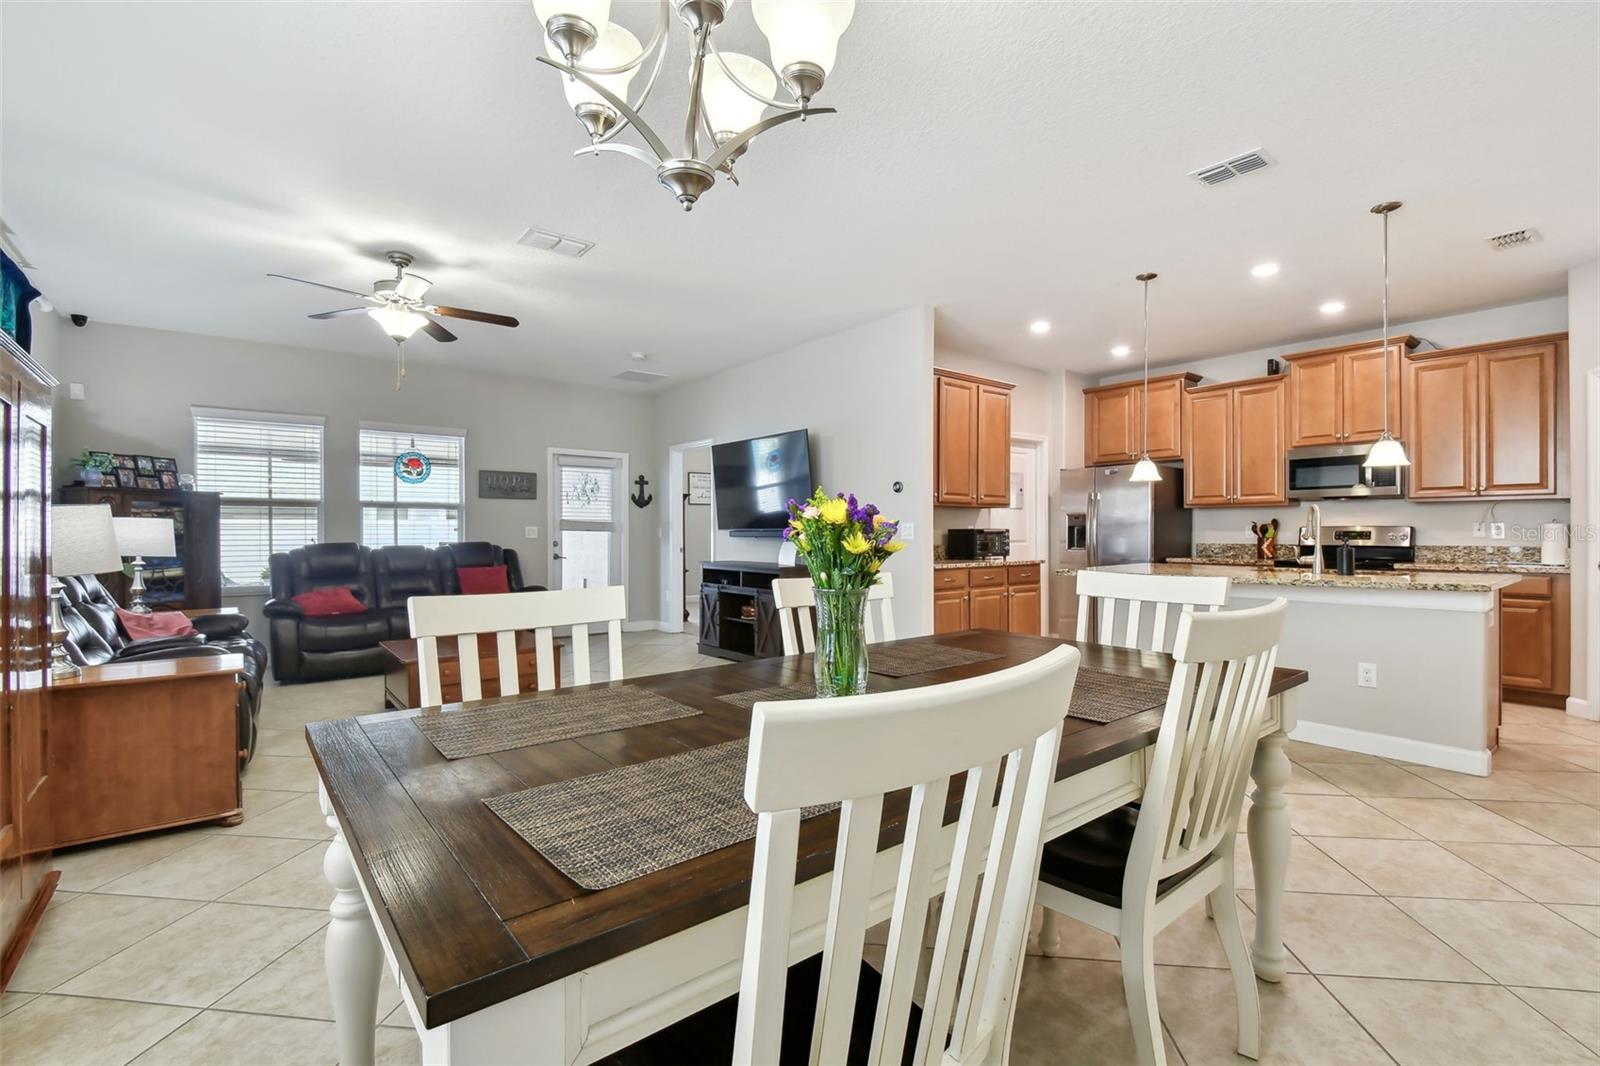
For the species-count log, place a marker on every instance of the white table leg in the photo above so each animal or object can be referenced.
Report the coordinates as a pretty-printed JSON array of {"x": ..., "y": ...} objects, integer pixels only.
[
  {"x": 1269, "y": 845},
  {"x": 1049, "y": 932},
  {"x": 353, "y": 955}
]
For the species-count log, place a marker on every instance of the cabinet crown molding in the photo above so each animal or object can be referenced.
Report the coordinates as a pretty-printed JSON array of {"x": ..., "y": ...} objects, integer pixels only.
[
  {"x": 974, "y": 378},
  {"x": 1218, "y": 386},
  {"x": 1189, "y": 378},
  {"x": 1492, "y": 346},
  {"x": 1406, "y": 339}
]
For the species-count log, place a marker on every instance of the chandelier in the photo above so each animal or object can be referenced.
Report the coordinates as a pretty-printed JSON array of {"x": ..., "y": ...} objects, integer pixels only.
[{"x": 729, "y": 93}]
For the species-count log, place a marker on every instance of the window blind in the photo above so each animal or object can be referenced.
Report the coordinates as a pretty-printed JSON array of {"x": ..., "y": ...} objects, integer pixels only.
[
  {"x": 269, "y": 473},
  {"x": 397, "y": 512},
  {"x": 587, "y": 492}
]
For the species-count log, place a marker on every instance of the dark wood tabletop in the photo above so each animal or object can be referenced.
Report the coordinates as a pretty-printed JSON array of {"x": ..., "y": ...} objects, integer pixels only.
[{"x": 477, "y": 916}]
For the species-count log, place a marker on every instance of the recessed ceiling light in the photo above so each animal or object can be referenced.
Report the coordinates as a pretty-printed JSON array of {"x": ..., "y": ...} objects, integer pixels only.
[
  {"x": 1263, "y": 270},
  {"x": 1121, "y": 351},
  {"x": 1332, "y": 307},
  {"x": 1039, "y": 326}
]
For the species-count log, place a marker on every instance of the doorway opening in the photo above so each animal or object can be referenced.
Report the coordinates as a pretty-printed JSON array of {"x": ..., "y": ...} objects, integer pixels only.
[
  {"x": 691, "y": 533},
  {"x": 1026, "y": 515}
]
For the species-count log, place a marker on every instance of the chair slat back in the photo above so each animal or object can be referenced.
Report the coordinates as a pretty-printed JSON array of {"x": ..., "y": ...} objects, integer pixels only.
[
  {"x": 1201, "y": 760},
  {"x": 505, "y": 615},
  {"x": 1002, "y": 729},
  {"x": 1122, "y": 602},
  {"x": 795, "y": 599}
]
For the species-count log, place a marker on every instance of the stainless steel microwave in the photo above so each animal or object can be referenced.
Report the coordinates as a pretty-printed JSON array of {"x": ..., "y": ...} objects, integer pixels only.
[{"x": 1335, "y": 472}]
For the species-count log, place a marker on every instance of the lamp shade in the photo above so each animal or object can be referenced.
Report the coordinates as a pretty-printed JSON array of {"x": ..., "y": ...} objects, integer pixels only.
[
  {"x": 144, "y": 536},
  {"x": 729, "y": 108},
  {"x": 803, "y": 31},
  {"x": 615, "y": 47},
  {"x": 1145, "y": 470},
  {"x": 82, "y": 540},
  {"x": 1387, "y": 452},
  {"x": 397, "y": 322}
]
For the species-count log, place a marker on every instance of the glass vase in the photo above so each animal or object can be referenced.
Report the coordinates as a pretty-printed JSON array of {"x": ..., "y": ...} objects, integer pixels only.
[{"x": 841, "y": 658}]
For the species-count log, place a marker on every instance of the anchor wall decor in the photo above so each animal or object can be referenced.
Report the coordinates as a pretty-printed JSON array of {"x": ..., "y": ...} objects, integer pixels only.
[{"x": 641, "y": 498}]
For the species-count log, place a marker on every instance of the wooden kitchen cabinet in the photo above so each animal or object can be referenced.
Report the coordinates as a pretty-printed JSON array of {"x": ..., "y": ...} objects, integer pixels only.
[
  {"x": 1335, "y": 395},
  {"x": 1487, "y": 420},
  {"x": 1235, "y": 443},
  {"x": 988, "y": 609},
  {"x": 1112, "y": 428},
  {"x": 1536, "y": 639},
  {"x": 1005, "y": 598},
  {"x": 950, "y": 611},
  {"x": 971, "y": 441}
]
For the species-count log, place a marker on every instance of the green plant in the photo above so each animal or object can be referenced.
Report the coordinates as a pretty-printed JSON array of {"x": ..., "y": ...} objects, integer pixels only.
[{"x": 98, "y": 462}]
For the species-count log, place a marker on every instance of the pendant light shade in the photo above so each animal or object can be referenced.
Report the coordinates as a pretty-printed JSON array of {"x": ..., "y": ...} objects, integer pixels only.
[
  {"x": 803, "y": 31},
  {"x": 1144, "y": 470},
  {"x": 1386, "y": 452},
  {"x": 729, "y": 109}
]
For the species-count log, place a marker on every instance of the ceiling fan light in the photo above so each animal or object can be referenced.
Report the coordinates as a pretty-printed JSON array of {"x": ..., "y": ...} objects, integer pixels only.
[
  {"x": 803, "y": 33},
  {"x": 615, "y": 48},
  {"x": 398, "y": 323},
  {"x": 1386, "y": 452},
  {"x": 729, "y": 109},
  {"x": 412, "y": 286},
  {"x": 1144, "y": 471}
]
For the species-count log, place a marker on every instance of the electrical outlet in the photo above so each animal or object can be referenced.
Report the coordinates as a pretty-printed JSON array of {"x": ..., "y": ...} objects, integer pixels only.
[
  {"x": 531, "y": 532},
  {"x": 907, "y": 531},
  {"x": 1497, "y": 531},
  {"x": 1479, "y": 529},
  {"x": 1367, "y": 675}
]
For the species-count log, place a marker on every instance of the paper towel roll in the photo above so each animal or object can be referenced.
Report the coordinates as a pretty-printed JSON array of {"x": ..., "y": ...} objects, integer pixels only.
[{"x": 1553, "y": 544}]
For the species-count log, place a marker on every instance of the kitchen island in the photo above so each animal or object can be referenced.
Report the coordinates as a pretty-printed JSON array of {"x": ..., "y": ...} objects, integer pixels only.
[{"x": 1428, "y": 641}]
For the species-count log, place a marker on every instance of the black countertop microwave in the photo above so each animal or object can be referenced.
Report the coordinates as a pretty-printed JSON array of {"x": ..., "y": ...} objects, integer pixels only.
[{"x": 977, "y": 543}]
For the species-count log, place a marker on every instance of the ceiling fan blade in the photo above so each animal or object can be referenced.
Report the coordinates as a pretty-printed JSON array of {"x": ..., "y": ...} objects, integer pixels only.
[
  {"x": 474, "y": 316},
  {"x": 412, "y": 286},
  {"x": 320, "y": 285},
  {"x": 438, "y": 332},
  {"x": 341, "y": 314}
]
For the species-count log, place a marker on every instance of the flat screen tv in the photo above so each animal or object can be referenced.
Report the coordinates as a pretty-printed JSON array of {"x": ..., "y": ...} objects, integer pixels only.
[{"x": 754, "y": 480}]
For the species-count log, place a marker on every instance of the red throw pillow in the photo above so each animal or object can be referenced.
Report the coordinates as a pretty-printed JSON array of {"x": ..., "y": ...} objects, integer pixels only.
[
  {"x": 337, "y": 599},
  {"x": 155, "y": 624},
  {"x": 476, "y": 579}
]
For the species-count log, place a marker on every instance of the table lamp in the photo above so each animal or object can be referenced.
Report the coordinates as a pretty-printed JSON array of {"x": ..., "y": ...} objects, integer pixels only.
[
  {"x": 136, "y": 538},
  {"x": 82, "y": 541}
]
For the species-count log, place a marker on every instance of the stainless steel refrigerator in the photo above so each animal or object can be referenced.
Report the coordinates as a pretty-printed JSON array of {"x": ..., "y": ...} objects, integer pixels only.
[{"x": 1103, "y": 519}]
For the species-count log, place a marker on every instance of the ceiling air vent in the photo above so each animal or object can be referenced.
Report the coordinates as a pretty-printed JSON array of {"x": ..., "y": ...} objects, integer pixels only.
[
  {"x": 1228, "y": 169},
  {"x": 644, "y": 376},
  {"x": 546, "y": 241},
  {"x": 1513, "y": 238}
]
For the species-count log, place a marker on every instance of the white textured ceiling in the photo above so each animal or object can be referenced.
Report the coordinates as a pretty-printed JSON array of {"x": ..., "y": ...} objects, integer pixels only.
[{"x": 999, "y": 161}]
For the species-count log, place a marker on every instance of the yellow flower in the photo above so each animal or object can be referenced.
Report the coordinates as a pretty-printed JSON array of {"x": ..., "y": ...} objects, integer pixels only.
[
  {"x": 893, "y": 546},
  {"x": 878, "y": 520},
  {"x": 856, "y": 544},
  {"x": 834, "y": 511},
  {"x": 797, "y": 525},
  {"x": 800, "y": 542},
  {"x": 874, "y": 566}
]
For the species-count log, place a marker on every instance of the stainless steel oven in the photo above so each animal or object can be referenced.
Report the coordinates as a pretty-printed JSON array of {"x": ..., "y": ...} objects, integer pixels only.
[{"x": 1335, "y": 472}]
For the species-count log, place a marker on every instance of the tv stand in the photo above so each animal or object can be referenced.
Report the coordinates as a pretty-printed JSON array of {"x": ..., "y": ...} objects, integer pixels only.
[{"x": 738, "y": 619}]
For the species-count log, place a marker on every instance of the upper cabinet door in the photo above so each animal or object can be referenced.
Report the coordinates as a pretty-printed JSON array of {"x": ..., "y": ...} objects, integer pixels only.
[
  {"x": 994, "y": 446},
  {"x": 1361, "y": 380},
  {"x": 1517, "y": 397},
  {"x": 1259, "y": 443},
  {"x": 1316, "y": 400},
  {"x": 1166, "y": 418},
  {"x": 1441, "y": 425},
  {"x": 956, "y": 441},
  {"x": 1208, "y": 448},
  {"x": 1109, "y": 420}
]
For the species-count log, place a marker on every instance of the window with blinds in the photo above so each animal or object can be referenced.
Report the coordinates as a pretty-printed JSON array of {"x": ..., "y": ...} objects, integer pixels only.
[
  {"x": 268, "y": 469},
  {"x": 398, "y": 512}
]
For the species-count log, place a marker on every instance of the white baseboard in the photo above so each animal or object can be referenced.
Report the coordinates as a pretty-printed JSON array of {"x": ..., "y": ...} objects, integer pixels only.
[
  {"x": 1422, "y": 752},
  {"x": 645, "y": 625},
  {"x": 1579, "y": 707}
]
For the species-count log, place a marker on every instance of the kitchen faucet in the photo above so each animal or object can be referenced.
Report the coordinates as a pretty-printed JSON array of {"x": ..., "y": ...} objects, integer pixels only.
[{"x": 1314, "y": 524}]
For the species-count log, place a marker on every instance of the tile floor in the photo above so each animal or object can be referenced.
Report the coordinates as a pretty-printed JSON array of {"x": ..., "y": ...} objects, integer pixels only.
[{"x": 1432, "y": 918}]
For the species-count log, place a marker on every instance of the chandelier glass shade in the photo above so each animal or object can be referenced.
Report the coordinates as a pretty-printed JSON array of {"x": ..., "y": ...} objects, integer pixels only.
[
  {"x": 398, "y": 323},
  {"x": 730, "y": 94}
]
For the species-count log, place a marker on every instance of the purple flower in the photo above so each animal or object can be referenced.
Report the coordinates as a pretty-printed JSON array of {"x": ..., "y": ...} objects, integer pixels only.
[{"x": 788, "y": 531}]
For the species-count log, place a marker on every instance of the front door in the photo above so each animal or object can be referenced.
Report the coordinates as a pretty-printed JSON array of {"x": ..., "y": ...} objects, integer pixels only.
[{"x": 586, "y": 546}]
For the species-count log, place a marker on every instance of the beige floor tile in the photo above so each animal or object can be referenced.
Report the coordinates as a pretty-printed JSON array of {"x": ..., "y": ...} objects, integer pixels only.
[
  {"x": 297, "y": 882},
  {"x": 1587, "y": 917},
  {"x": 201, "y": 957},
  {"x": 1584, "y": 756},
  {"x": 1342, "y": 816},
  {"x": 1581, "y": 728},
  {"x": 214, "y": 866},
  {"x": 399, "y": 1018},
  {"x": 285, "y": 772},
  {"x": 58, "y": 1030},
  {"x": 1565, "y": 823},
  {"x": 1189, "y": 941},
  {"x": 1301, "y": 752},
  {"x": 1593, "y": 853},
  {"x": 1530, "y": 714},
  {"x": 220, "y": 1038},
  {"x": 1576, "y": 1012},
  {"x": 1536, "y": 757},
  {"x": 1502, "y": 784},
  {"x": 281, "y": 742},
  {"x": 1454, "y": 819},
  {"x": 1540, "y": 871},
  {"x": 1515, "y": 943},
  {"x": 1378, "y": 779},
  {"x": 1300, "y": 1022},
  {"x": 296, "y": 985},
  {"x": 1072, "y": 1011},
  {"x": 11, "y": 1000},
  {"x": 1309, "y": 870},
  {"x": 1427, "y": 1023},
  {"x": 1304, "y": 781},
  {"x": 299, "y": 819},
  {"x": 1581, "y": 785},
  {"x": 90, "y": 929},
  {"x": 86, "y": 868},
  {"x": 1366, "y": 936},
  {"x": 1524, "y": 733},
  {"x": 1413, "y": 868}
]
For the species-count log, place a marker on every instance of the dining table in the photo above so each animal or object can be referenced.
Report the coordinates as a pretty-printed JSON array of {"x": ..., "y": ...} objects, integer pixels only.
[{"x": 500, "y": 957}]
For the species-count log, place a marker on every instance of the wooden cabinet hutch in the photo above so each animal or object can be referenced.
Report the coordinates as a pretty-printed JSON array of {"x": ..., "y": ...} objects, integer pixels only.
[
  {"x": 971, "y": 441},
  {"x": 193, "y": 579}
]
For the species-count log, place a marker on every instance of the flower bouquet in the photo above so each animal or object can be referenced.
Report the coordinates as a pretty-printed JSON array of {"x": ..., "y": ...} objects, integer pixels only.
[{"x": 844, "y": 545}]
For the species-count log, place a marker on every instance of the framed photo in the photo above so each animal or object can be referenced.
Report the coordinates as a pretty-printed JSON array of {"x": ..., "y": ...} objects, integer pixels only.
[
  {"x": 145, "y": 465},
  {"x": 122, "y": 462},
  {"x": 152, "y": 482},
  {"x": 163, "y": 465},
  {"x": 126, "y": 478},
  {"x": 169, "y": 480},
  {"x": 699, "y": 486}
]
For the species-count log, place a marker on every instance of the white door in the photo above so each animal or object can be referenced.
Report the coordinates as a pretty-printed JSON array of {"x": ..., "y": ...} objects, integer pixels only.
[
  {"x": 588, "y": 525},
  {"x": 1024, "y": 516}
]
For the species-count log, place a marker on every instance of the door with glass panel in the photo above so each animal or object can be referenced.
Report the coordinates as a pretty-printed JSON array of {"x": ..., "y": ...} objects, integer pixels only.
[{"x": 586, "y": 541}]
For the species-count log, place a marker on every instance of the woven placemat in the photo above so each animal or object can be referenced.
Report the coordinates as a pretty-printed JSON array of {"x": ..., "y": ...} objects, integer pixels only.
[
  {"x": 901, "y": 660},
  {"x": 1100, "y": 696},
  {"x": 614, "y": 826},
  {"x": 503, "y": 726},
  {"x": 750, "y": 697}
]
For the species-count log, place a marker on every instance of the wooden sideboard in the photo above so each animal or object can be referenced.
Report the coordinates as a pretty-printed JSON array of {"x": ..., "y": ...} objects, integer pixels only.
[
  {"x": 1006, "y": 597},
  {"x": 738, "y": 619},
  {"x": 194, "y": 578}
]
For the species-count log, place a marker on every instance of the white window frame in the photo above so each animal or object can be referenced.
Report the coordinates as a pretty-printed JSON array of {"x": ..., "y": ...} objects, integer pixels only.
[
  {"x": 241, "y": 415},
  {"x": 397, "y": 427},
  {"x": 553, "y": 501}
]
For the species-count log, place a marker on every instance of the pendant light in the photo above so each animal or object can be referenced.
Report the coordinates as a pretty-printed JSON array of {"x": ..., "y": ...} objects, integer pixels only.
[
  {"x": 1144, "y": 470},
  {"x": 1386, "y": 451}
]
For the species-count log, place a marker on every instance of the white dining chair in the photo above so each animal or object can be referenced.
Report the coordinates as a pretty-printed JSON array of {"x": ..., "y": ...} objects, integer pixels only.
[
  {"x": 795, "y": 600},
  {"x": 1122, "y": 597},
  {"x": 506, "y": 614},
  {"x": 1134, "y": 871}
]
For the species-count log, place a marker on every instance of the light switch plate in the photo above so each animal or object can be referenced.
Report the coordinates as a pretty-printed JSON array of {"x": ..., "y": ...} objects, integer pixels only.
[
  {"x": 531, "y": 532},
  {"x": 75, "y": 390},
  {"x": 908, "y": 531}
]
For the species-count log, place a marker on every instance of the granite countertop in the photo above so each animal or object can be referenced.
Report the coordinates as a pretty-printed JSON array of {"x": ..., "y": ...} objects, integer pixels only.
[
  {"x": 1408, "y": 581},
  {"x": 969, "y": 564},
  {"x": 1424, "y": 567}
]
